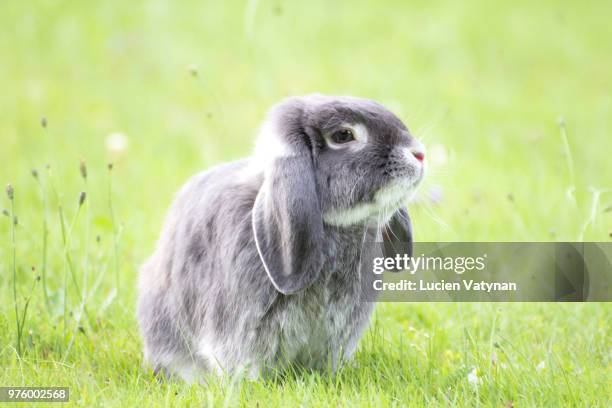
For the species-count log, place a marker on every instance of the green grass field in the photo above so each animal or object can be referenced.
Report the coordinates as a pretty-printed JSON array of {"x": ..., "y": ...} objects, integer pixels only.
[{"x": 513, "y": 100}]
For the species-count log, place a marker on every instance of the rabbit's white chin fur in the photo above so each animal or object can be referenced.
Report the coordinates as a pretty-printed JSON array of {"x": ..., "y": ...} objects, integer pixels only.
[{"x": 386, "y": 201}]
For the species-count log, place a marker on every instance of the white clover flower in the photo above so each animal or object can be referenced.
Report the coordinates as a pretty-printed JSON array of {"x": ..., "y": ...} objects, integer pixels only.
[
  {"x": 435, "y": 194},
  {"x": 473, "y": 378},
  {"x": 437, "y": 155},
  {"x": 116, "y": 143}
]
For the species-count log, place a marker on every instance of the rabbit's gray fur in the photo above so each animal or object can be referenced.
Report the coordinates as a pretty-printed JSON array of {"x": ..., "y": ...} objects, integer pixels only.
[{"x": 258, "y": 262}]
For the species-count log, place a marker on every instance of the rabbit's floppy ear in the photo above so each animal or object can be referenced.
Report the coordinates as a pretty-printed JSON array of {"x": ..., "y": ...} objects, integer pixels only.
[
  {"x": 287, "y": 218},
  {"x": 397, "y": 235}
]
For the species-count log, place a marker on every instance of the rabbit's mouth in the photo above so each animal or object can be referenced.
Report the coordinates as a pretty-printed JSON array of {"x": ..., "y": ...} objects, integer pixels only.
[
  {"x": 380, "y": 209},
  {"x": 395, "y": 194}
]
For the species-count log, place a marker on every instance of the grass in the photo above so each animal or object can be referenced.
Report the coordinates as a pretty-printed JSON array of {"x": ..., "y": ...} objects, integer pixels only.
[{"x": 512, "y": 100}]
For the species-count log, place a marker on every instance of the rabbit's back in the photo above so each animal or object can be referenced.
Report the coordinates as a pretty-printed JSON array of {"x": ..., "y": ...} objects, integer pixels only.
[
  {"x": 191, "y": 283},
  {"x": 206, "y": 302}
]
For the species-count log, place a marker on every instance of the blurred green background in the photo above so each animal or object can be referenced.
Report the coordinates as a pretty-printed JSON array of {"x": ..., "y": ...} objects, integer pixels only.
[
  {"x": 487, "y": 82},
  {"x": 513, "y": 101}
]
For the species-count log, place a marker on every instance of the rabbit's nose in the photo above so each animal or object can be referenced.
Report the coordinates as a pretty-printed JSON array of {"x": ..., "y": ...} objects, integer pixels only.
[{"x": 418, "y": 152}]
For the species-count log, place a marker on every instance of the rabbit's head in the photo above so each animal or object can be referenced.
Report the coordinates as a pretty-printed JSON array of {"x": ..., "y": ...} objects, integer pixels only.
[{"x": 335, "y": 161}]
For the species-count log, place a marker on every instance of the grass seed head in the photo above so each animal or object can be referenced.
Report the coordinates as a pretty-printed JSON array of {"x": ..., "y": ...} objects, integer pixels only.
[
  {"x": 83, "y": 169},
  {"x": 6, "y": 213},
  {"x": 110, "y": 166},
  {"x": 10, "y": 192},
  {"x": 561, "y": 121},
  {"x": 43, "y": 122},
  {"x": 82, "y": 197},
  {"x": 35, "y": 173}
]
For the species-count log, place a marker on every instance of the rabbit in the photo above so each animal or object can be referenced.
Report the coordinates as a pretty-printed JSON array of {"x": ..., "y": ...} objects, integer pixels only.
[{"x": 258, "y": 263}]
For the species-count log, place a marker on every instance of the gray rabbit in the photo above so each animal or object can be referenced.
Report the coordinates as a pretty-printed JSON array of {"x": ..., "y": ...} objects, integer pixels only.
[{"x": 258, "y": 263}]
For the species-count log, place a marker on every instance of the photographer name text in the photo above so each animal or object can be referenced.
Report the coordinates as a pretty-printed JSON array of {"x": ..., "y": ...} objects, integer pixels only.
[{"x": 424, "y": 286}]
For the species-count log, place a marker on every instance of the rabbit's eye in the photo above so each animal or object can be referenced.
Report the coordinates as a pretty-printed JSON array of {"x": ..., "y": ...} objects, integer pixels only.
[{"x": 342, "y": 136}]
